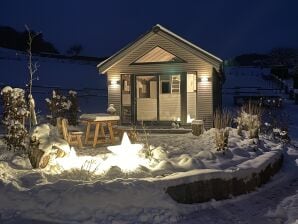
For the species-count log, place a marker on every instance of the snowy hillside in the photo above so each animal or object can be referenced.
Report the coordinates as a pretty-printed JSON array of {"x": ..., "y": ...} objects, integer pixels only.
[
  {"x": 53, "y": 73},
  {"x": 246, "y": 81}
]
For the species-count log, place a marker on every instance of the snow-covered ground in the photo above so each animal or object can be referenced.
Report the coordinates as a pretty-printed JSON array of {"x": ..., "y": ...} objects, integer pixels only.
[
  {"x": 56, "y": 195},
  {"x": 276, "y": 202},
  {"x": 86, "y": 194}
]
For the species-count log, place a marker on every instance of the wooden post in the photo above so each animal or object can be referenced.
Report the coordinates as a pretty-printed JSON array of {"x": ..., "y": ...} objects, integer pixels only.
[
  {"x": 197, "y": 127},
  {"x": 96, "y": 134},
  {"x": 111, "y": 132},
  {"x": 87, "y": 132}
]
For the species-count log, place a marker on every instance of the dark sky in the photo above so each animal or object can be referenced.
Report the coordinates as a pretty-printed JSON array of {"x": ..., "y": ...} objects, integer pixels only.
[{"x": 223, "y": 27}]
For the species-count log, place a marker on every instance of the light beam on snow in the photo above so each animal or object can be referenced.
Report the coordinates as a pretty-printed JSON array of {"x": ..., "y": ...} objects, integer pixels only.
[{"x": 126, "y": 155}]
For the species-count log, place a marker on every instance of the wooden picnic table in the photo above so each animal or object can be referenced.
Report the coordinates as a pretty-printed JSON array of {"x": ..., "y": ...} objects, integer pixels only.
[{"x": 100, "y": 120}]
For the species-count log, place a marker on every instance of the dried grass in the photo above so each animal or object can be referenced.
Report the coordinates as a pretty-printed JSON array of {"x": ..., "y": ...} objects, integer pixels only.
[
  {"x": 222, "y": 122},
  {"x": 249, "y": 119}
]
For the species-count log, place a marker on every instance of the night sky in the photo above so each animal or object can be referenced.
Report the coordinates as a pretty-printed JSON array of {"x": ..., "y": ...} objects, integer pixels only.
[{"x": 224, "y": 27}]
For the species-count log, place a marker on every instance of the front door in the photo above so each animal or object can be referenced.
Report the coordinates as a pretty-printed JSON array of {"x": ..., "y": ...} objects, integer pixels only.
[{"x": 146, "y": 87}]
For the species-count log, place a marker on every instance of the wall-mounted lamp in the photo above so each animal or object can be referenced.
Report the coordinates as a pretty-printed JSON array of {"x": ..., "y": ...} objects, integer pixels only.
[
  {"x": 204, "y": 79},
  {"x": 114, "y": 82}
]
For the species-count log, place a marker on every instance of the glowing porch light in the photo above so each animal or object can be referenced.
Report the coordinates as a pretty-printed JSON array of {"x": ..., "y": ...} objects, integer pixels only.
[
  {"x": 114, "y": 82},
  {"x": 204, "y": 79}
]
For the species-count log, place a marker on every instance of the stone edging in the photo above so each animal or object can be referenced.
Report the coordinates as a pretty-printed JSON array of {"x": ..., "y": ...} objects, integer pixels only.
[{"x": 219, "y": 189}]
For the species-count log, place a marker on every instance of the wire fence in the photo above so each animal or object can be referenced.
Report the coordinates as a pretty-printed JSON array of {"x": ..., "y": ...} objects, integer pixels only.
[{"x": 91, "y": 100}]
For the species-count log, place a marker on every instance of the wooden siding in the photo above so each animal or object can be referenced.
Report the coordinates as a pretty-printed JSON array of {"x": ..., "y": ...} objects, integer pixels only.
[
  {"x": 205, "y": 99},
  {"x": 217, "y": 91},
  {"x": 114, "y": 92},
  {"x": 146, "y": 109},
  {"x": 125, "y": 64},
  {"x": 169, "y": 106}
]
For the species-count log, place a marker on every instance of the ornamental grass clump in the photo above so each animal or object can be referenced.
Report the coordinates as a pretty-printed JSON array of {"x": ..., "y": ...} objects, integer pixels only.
[
  {"x": 222, "y": 122},
  {"x": 249, "y": 119},
  {"x": 15, "y": 111}
]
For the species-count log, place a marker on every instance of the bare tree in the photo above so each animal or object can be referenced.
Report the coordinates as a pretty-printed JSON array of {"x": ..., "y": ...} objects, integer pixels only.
[{"x": 32, "y": 67}]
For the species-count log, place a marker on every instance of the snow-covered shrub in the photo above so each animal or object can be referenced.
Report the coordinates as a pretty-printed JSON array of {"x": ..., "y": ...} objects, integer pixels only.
[
  {"x": 281, "y": 135},
  {"x": 57, "y": 105},
  {"x": 63, "y": 106},
  {"x": 249, "y": 119},
  {"x": 111, "y": 109},
  {"x": 276, "y": 125},
  {"x": 222, "y": 122},
  {"x": 15, "y": 112}
]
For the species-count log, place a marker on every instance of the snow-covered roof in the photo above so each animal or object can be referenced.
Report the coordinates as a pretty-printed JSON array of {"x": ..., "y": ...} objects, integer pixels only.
[
  {"x": 104, "y": 65},
  {"x": 187, "y": 42}
]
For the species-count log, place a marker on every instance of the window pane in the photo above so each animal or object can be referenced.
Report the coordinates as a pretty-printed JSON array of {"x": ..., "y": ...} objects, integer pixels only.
[
  {"x": 126, "y": 99},
  {"x": 169, "y": 98}
]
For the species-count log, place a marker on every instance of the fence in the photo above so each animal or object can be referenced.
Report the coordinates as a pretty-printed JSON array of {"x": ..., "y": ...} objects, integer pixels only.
[{"x": 90, "y": 99}]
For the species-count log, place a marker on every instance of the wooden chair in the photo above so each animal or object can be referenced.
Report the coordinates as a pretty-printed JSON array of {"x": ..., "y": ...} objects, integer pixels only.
[{"x": 73, "y": 137}]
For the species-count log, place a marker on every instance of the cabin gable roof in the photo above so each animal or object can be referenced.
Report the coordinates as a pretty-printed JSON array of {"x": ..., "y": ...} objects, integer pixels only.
[{"x": 104, "y": 66}]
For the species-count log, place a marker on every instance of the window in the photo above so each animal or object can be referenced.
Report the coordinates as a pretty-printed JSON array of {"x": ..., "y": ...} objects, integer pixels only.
[
  {"x": 126, "y": 99},
  {"x": 158, "y": 55},
  {"x": 191, "y": 82},
  {"x": 170, "y": 84},
  {"x": 126, "y": 84},
  {"x": 165, "y": 87}
]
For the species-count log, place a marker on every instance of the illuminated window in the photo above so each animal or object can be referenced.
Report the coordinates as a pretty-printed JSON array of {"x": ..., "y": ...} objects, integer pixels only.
[{"x": 158, "y": 55}]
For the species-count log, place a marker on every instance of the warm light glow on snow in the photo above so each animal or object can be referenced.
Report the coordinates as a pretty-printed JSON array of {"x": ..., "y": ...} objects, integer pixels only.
[
  {"x": 125, "y": 156},
  {"x": 189, "y": 119}
]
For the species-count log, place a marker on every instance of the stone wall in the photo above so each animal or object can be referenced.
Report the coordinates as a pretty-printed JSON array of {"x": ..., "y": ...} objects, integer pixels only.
[{"x": 219, "y": 189}]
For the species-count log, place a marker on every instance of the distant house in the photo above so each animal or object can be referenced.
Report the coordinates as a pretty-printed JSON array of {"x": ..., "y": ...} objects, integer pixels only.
[{"x": 162, "y": 77}]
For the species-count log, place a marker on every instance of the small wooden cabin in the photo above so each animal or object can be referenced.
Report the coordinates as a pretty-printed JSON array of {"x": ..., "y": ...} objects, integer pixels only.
[{"x": 161, "y": 78}]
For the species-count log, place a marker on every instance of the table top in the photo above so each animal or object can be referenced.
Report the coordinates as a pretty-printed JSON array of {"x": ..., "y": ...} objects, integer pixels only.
[{"x": 99, "y": 117}]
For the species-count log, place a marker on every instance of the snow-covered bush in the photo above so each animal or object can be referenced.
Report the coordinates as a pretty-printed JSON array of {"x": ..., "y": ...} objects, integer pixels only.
[
  {"x": 276, "y": 125},
  {"x": 111, "y": 109},
  {"x": 249, "y": 119},
  {"x": 63, "y": 106},
  {"x": 281, "y": 135},
  {"x": 222, "y": 122},
  {"x": 15, "y": 112},
  {"x": 57, "y": 105}
]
